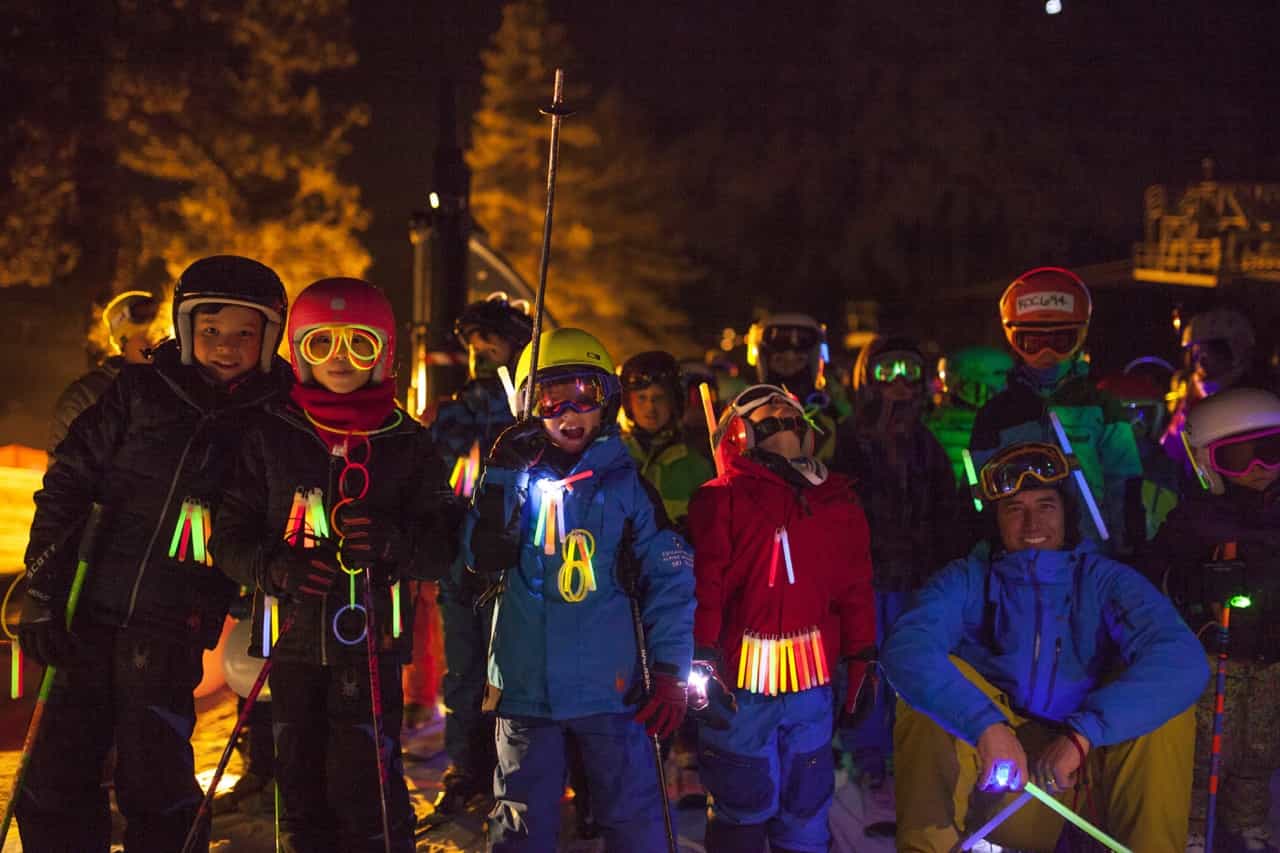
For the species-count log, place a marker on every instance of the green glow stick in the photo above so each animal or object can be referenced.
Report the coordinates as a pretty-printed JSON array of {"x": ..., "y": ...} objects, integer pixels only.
[
  {"x": 397, "y": 627},
  {"x": 177, "y": 530},
  {"x": 972, "y": 476},
  {"x": 15, "y": 670},
  {"x": 1095, "y": 833},
  {"x": 197, "y": 532}
]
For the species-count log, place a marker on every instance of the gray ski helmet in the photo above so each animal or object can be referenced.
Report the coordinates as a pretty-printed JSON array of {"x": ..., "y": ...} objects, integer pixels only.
[{"x": 230, "y": 280}]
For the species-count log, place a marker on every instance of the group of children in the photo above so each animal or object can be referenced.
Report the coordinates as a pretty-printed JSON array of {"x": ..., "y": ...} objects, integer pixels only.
[{"x": 598, "y": 579}]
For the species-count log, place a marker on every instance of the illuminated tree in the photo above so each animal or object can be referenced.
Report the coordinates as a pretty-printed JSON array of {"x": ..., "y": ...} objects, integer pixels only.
[
  {"x": 615, "y": 263},
  {"x": 162, "y": 130}
]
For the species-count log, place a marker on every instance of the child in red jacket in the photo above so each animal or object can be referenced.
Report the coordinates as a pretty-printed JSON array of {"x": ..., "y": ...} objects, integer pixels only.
[{"x": 784, "y": 596}]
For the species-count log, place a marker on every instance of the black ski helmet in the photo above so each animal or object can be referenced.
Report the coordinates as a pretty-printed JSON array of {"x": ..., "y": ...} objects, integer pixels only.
[
  {"x": 496, "y": 313},
  {"x": 652, "y": 368},
  {"x": 230, "y": 280}
]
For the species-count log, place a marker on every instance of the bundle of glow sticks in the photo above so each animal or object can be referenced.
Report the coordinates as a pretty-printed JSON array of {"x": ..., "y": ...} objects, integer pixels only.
[
  {"x": 770, "y": 664},
  {"x": 549, "y": 529},
  {"x": 192, "y": 532},
  {"x": 465, "y": 472}
]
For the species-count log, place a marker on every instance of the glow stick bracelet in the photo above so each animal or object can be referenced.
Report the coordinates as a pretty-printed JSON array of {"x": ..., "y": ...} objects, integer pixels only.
[{"x": 1081, "y": 482}]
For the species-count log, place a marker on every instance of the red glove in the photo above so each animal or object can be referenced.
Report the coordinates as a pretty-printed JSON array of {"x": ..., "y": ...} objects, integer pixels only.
[{"x": 665, "y": 710}]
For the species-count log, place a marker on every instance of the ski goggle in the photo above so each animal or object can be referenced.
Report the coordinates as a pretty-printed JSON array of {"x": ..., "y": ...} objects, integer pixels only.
[
  {"x": 791, "y": 338},
  {"x": 1236, "y": 455},
  {"x": 889, "y": 369},
  {"x": 1063, "y": 340},
  {"x": 1008, "y": 473},
  {"x": 362, "y": 344},
  {"x": 639, "y": 380},
  {"x": 581, "y": 394}
]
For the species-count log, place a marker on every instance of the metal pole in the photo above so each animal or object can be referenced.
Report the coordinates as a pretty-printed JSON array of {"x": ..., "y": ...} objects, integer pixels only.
[{"x": 557, "y": 111}]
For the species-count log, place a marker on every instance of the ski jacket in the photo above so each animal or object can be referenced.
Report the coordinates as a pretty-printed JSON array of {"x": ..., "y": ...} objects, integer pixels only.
[
  {"x": 1188, "y": 560},
  {"x": 464, "y": 429},
  {"x": 80, "y": 395},
  {"x": 160, "y": 438},
  {"x": 671, "y": 467},
  {"x": 1100, "y": 434},
  {"x": 558, "y": 659},
  {"x": 477, "y": 413},
  {"x": 1069, "y": 637},
  {"x": 733, "y": 521},
  {"x": 952, "y": 425},
  {"x": 910, "y": 498},
  {"x": 282, "y": 453}
]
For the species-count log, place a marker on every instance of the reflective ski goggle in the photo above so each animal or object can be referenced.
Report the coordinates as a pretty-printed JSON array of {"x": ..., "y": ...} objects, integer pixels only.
[
  {"x": 1063, "y": 340},
  {"x": 362, "y": 344},
  {"x": 581, "y": 394},
  {"x": 791, "y": 338},
  {"x": 890, "y": 369},
  {"x": 639, "y": 380},
  {"x": 1236, "y": 455},
  {"x": 1008, "y": 473}
]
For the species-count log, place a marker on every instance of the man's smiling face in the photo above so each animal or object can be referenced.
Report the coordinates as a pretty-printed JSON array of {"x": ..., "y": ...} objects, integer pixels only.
[{"x": 1034, "y": 518}]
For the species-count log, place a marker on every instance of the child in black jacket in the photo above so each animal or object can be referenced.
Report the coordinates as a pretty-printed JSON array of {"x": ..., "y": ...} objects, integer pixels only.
[
  {"x": 153, "y": 450},
  {"x": 336, "y": 497}
]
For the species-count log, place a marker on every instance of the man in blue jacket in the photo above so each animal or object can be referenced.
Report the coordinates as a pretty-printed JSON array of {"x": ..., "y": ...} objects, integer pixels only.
[
  {"x": 1046, "y": 656},
  {"x": 564, "y": 520}
]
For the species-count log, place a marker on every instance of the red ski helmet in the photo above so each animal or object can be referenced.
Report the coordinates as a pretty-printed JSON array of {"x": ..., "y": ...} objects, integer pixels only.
[
  {"x": 1045, "y": 313},
  {"x": 343, "y": 302}
]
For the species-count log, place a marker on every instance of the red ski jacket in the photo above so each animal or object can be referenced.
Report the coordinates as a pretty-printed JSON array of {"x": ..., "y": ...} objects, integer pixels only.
[{"x": 735, "y": 523}]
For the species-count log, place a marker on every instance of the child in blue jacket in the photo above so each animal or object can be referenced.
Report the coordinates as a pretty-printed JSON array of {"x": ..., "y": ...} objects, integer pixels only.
[{"x": 586, "y": 565}]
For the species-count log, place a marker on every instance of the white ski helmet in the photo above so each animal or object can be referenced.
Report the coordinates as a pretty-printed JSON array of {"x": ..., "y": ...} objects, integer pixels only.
[
  {"x": 1229, "y": 326},
  {"x": 1232, "y": 412}
]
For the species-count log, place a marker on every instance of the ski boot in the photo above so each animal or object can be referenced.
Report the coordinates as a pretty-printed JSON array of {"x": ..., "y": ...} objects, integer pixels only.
[{"x": 459, "y": 794}]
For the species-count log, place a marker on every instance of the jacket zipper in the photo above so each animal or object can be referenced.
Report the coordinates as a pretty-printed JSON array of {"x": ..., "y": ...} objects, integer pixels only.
[
  {"x": 164, "y": 514},
  {"x": 1053, "y": 673},
  {"x": 1035, "y": 649}
]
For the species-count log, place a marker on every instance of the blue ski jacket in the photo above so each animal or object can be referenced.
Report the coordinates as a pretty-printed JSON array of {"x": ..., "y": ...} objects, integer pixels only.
[
  {"x": 559, "y": 659},
  {"x": 1069, "y": 637}
]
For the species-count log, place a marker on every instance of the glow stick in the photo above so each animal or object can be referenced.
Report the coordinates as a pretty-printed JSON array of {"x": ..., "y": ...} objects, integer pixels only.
[
  {"x": 791, "y": 663},
  {"x": 197, "y": 533},
  {"x": 786, "y": 552},
  {"x": 1081, "y": 482},
  {"x": 186, "y": 534},
  {"x": 15, "y": 670},
  {"x": 742, "y": 661},
  {"x": 268, "y": 611},
  {"x": 207, "y": 516},
  {"x": 1084, "y": 825},
  {"x": 773, "y": 558},
  {"x": 819, "y": 656},
  {"x": 999, "y": 818},
  {"x": 806, "y": 677},
  {"x": 972, "y": 476},
  {"x": 709, "y": 412},
  {"x": 397, "y": 626},
  {"x": 510, "y": 388},
  {"x": 773, "y": 666},
  {"x": 317, "y": 518},
  {"x": 455, "y": 479},
  {"x": 275, "y": 621},
  {"x": 1195, "y": 466},
  {"x": 177, "y": 530}
]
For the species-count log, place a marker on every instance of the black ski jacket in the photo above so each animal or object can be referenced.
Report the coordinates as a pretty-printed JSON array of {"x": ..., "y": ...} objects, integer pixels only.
[
  {"x": 282, "y": 453},
  {"x": 161, "y": 436}
]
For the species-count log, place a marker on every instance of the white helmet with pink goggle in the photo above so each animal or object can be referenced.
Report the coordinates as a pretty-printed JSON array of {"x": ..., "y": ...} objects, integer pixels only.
[{"x": 1232, "y": 433}]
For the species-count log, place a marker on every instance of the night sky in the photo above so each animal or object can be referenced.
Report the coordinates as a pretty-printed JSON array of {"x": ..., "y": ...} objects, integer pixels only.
[{"x": 1191, "y": 79}]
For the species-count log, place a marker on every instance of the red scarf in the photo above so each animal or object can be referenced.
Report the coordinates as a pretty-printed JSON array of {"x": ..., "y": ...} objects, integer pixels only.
[{"x": 335, "y": 415}]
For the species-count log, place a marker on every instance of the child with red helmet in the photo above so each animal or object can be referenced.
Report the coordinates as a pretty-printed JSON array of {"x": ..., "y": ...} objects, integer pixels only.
[
  {"x": 781, "y": 557},
  {"x": 338, "y": 496}
]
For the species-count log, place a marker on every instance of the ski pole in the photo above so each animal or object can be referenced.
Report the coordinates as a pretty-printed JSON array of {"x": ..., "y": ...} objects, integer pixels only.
[
  {"x": 83, "y": 557},
  {"x": 704, "y": 391},
  {"x": 557, "y": 111},
  {"x": 1085, "y": 494},
  {"x": 375, "y": 690},
  {"x": 249, "y": 700},
  {"x": 1219, "y": 707}
]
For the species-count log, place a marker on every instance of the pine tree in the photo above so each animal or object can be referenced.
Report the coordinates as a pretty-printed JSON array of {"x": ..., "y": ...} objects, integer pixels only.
[
  {"x": 179, "y": 129},
  {"x": 615, "y": 265}
]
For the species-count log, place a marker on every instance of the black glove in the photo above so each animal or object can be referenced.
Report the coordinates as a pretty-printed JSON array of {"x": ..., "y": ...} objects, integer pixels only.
[
  {"x": 301, "y": 573},
  {"x": 43, "y": 634},
  {"x": 710, "y": 699},
  {"x": 520, "y": 445},
  {"x": 373, "y": 544}
]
